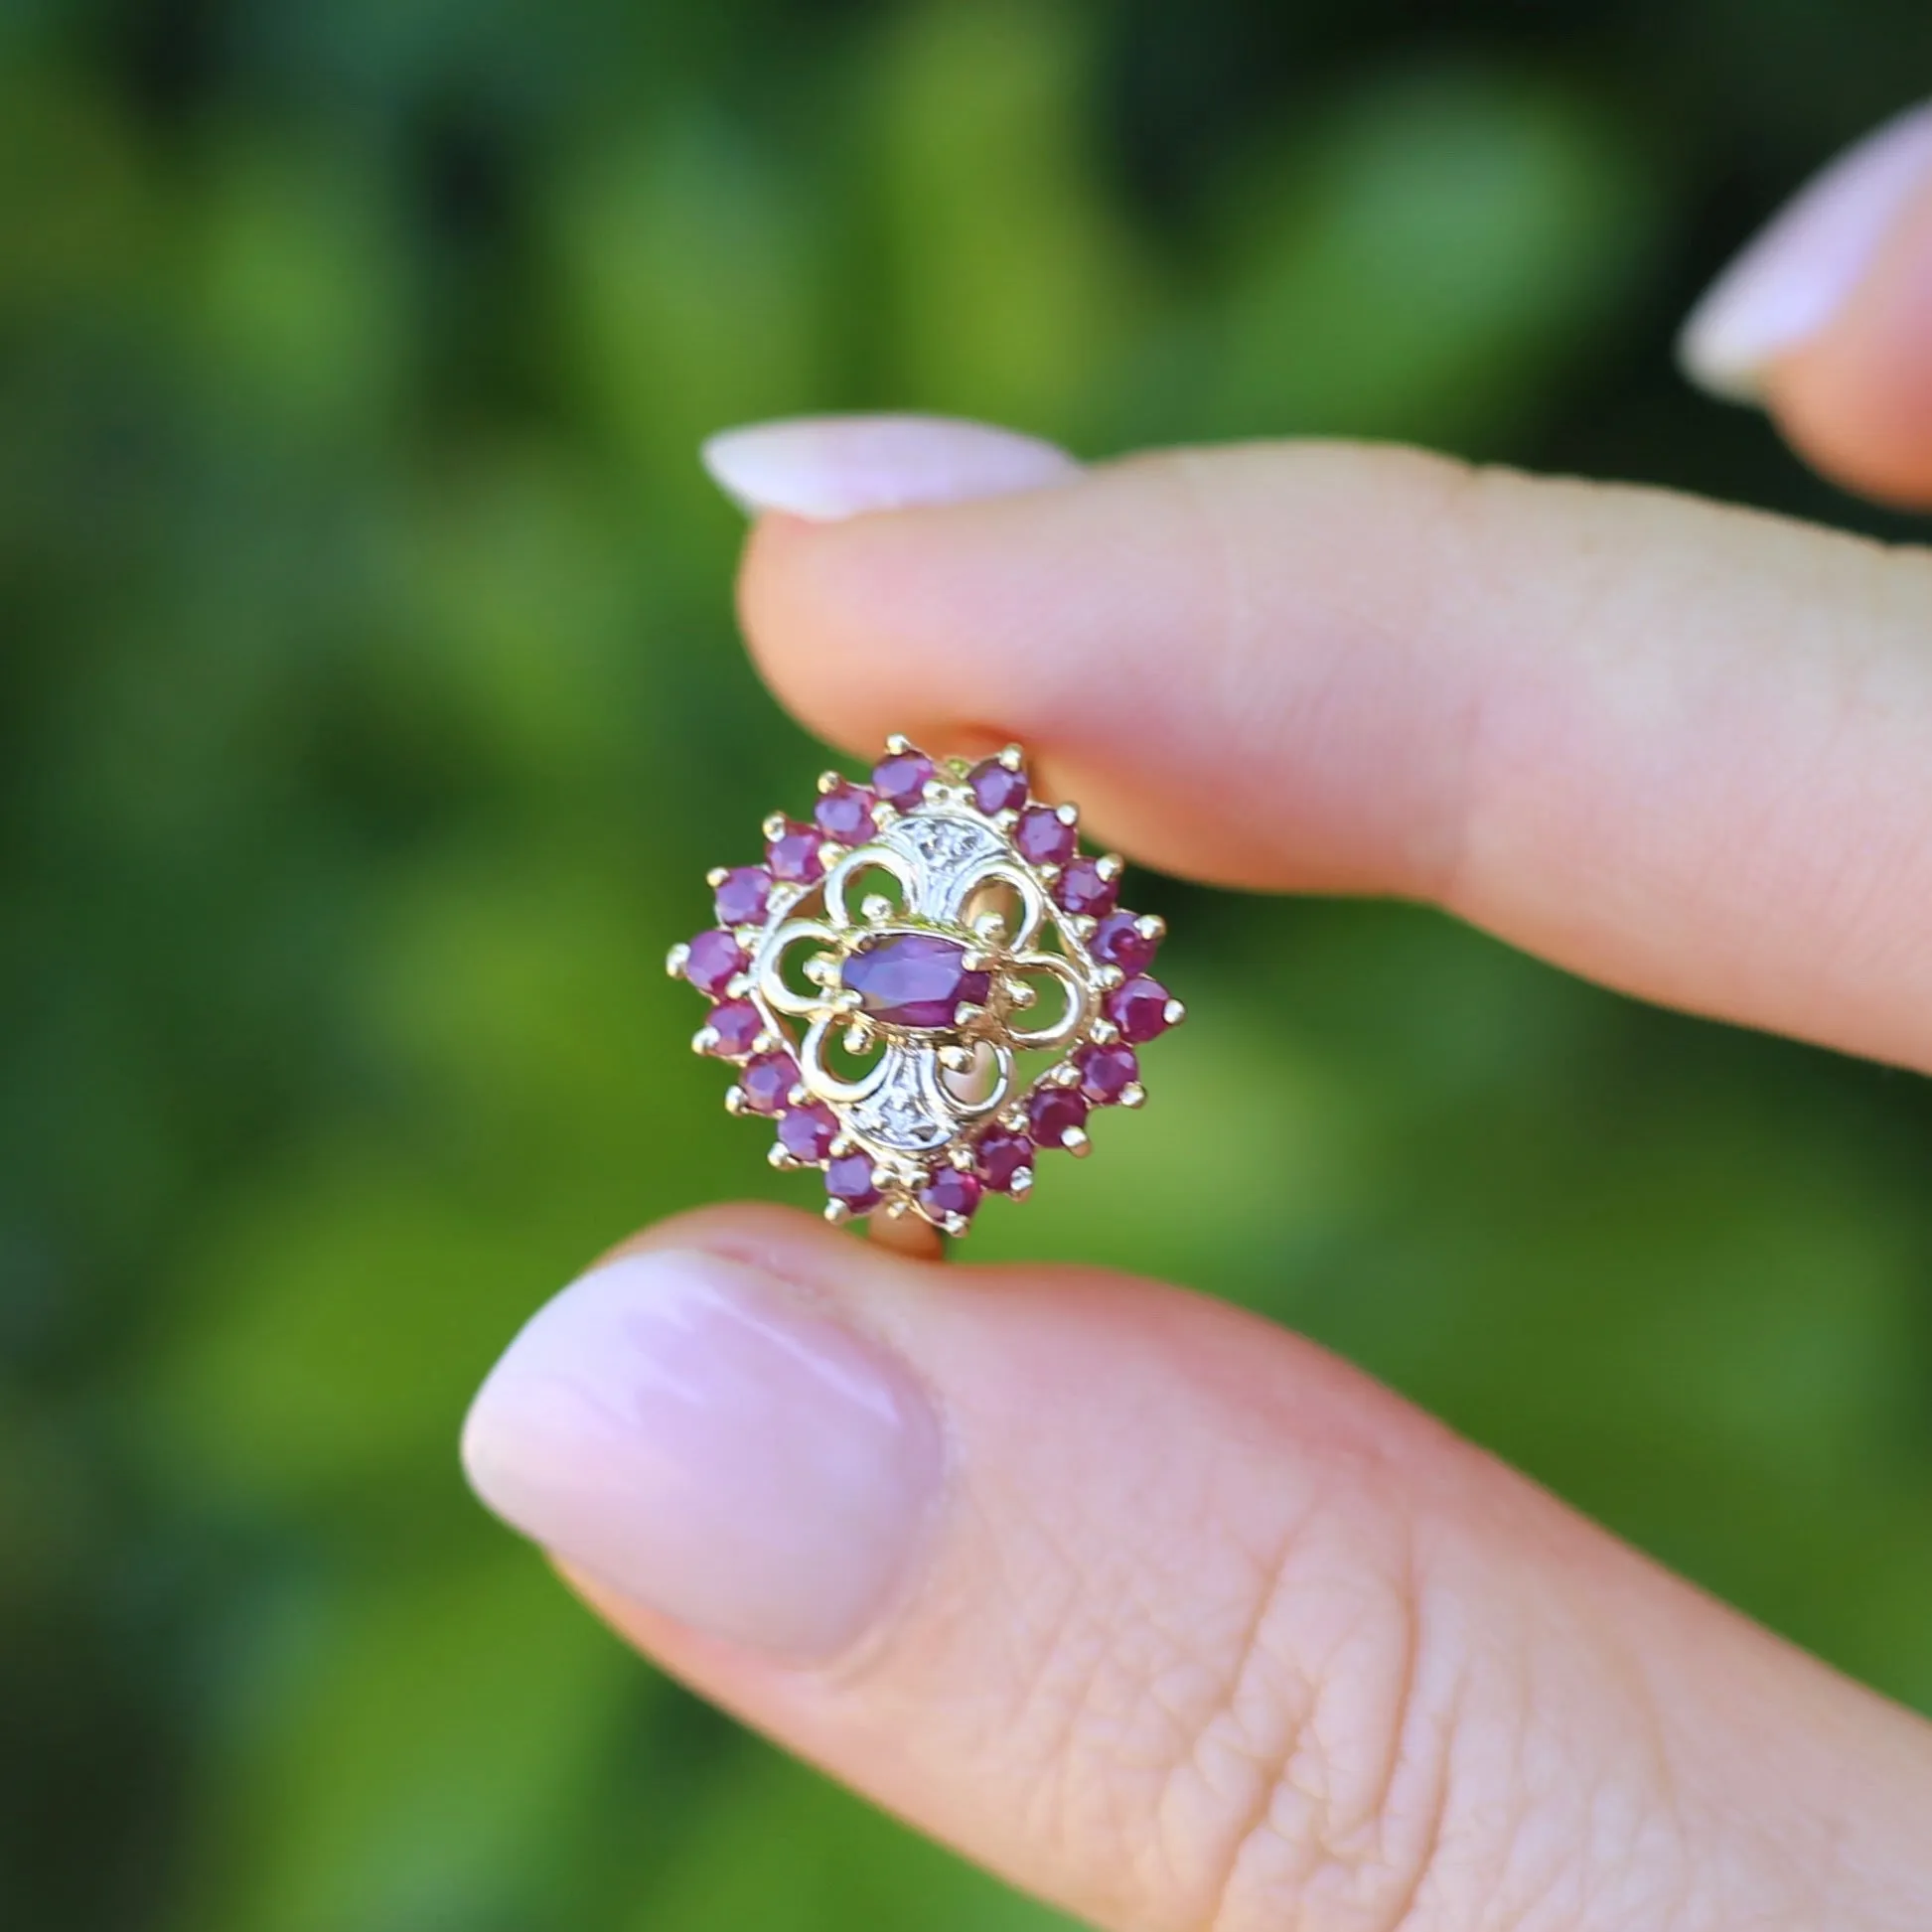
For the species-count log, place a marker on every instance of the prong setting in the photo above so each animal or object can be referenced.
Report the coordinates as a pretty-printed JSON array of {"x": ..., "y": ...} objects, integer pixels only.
[{"x": 934, "y": 993}]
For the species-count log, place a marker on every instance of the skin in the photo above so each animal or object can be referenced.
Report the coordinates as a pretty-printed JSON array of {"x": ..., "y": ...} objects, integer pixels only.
[
  {"x": 1212, "y": 1631},
  {"x": 1858, "y": 398}
]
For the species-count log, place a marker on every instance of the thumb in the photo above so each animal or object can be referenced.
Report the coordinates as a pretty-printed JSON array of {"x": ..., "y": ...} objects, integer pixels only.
[
  {"x": 1167, "y": 1615},
  {"x": 1827, "y": 317}
]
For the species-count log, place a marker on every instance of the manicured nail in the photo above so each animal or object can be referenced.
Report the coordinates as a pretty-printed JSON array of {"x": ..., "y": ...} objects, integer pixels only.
[
  {"x": 1794, "y": 279},
  {"x": 830, "y": 467},
  {"x": 689, "y": 1432}
]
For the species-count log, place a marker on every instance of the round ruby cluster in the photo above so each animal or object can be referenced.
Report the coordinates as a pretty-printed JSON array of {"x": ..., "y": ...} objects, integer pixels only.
[
  {"x": 1081, "y": 885},
  {"x": 845, "y": 813},
  {"x": 796, "y": 853},
  {"x": 1055, "y": 1114},
  {"x": 715, "y": 959},
  {"x": 744, "y": 896},
  {"x": 901, "y": 777},
  {"x": 951, "y": 1194},
  {"x": 1005, "y": 1162},
  {"x": 795, "y": 857}
]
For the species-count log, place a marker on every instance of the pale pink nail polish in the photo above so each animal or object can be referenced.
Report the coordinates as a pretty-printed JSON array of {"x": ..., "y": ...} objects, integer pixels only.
[
  {"x": 688, "y": 1430},
  {"x": 830, "y": 467},
  {"x": 1789, "y": 283}
]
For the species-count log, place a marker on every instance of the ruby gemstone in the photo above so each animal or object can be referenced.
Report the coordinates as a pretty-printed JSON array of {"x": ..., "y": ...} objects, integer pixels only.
[
  {"x": 1106, "y": 1073},
  {"x": 1053, "y": 1111},
  {"x": 715, "y": 958},
  {"x": 949, "y": 1192},
  {"x": 995, "y": 789},
  {"x": 845, "y": 813},
  {"x": 901, "y": 779},
  {"x": 794, "y": 856},
  {"x": 737, "y": 1023},
  {"x": 913, "y": 979},
  {"x": 1041, "y": 838},
  {"x": 807, "y": 1133},
  {"x": 850, "y": 1179},
  {"x": 1003, "y": 1157},
  {"x": 744, "y": 894},
  {"x": 768, "y": 1082},
  {"x": 1138, "y": 1008},
  {"x": 1120, "y": 942},
  {"x": 1081, "y": 888}
]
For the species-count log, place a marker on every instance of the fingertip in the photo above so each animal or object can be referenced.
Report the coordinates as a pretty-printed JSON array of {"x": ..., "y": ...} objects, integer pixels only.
[
  {"x": 1794, "y": 279},
  {"x": 703, "y": 1433},
  {"x": 1856, "y": 401},
  {"x": 967, "y": 1536},
  {"x": 807, "y": 595},
  {"x": 1342, "y": 668},
  {"x": 1826, "y": 319},
  {"x": 910, "y": 622},
  {"x": 1145, "y": 629}
]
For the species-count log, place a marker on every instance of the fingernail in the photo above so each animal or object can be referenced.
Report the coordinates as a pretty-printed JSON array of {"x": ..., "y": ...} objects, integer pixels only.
[
  {"x": 1798, "y": 273},
  {"x": 689, "y": 1432},
  {"x": 830, "y": 467}
]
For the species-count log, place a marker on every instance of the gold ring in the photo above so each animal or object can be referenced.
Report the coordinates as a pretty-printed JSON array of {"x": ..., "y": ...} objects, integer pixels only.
[{"x": 927, "y": 986}]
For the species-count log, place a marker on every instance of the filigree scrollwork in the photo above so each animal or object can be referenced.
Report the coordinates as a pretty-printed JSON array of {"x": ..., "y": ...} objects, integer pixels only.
[{"x": 933, "y": 987}]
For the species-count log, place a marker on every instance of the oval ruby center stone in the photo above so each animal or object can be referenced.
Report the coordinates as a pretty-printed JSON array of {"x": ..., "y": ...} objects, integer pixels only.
[{"x": 913, "y": 979}]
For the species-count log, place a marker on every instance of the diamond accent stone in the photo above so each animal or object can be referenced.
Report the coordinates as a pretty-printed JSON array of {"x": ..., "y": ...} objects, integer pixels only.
[{"x": 902, "y": 1111}]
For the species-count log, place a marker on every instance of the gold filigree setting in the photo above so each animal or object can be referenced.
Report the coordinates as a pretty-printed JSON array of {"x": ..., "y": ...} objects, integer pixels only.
[{"x": 927, "y": 987}]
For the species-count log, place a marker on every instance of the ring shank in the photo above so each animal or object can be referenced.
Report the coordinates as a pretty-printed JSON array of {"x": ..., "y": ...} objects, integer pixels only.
[{"x": 910, "y": 1235}]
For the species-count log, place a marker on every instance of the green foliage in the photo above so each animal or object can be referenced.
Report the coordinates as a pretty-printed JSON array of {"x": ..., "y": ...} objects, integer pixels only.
[
  {"x": 1416, "y": 262},
  {"x": 366, "y": 621},
  {"x": 421, "y": 1749}
]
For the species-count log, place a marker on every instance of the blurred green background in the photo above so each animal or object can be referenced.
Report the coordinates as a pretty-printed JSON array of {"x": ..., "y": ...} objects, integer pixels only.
[{"x": 365, "y": 631}]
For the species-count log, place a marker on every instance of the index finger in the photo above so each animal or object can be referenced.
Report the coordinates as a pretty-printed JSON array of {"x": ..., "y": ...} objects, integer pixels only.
[{"x": 1682, "y": 749}]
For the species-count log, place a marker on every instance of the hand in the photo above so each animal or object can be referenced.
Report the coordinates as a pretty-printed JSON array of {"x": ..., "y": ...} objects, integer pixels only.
[{"x": 1164, "y": 1613}]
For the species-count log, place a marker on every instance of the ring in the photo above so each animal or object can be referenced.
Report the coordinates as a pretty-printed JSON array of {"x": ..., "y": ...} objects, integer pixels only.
[{"x": 927, "y": 986}]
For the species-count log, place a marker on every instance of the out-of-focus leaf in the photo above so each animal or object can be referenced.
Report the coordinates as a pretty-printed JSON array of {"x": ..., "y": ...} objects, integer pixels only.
[
  {"x": 1418, "y": 261},
  {"x": 422, "y": 1751},
  {"x": 295, "y": 293},
  {"x": 517, "y": 618},
  {"x": 83, "y": 269},
  {"x": 346, "y": 1311},
  {"x": 346, "y": 1318},
  {"x": 1010, "y": 283},
  {"x": 691, "y": 291},
  {"x": 821, "y": 1859}
]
